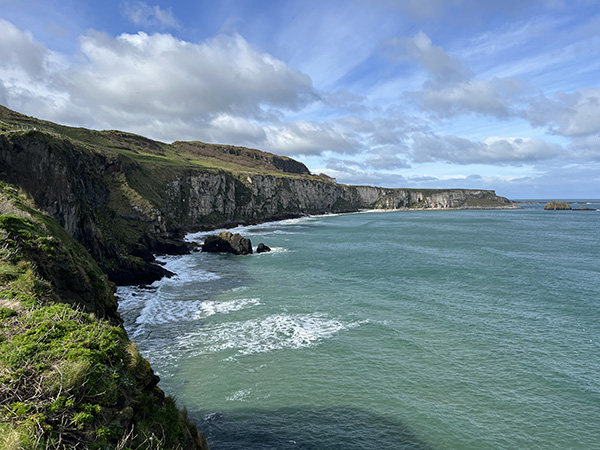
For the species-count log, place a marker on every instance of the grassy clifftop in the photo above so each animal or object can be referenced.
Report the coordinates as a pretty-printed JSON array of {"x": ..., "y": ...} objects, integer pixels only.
[
  {"x": 69, "y": 376},
  {"x": 193, "y": 155}
]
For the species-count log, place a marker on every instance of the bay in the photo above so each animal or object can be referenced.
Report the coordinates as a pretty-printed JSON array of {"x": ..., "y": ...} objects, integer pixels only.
[{"x": 412, "y": 329}]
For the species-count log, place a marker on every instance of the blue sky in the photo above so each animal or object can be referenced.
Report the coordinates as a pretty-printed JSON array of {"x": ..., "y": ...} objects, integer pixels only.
[{"x": 414, "y": 93}]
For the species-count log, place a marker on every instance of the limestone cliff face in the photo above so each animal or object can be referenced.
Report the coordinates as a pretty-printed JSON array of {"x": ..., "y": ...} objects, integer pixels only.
[
  {"x": 200, "y": 198},
  {"x": 124, "y": 209}
]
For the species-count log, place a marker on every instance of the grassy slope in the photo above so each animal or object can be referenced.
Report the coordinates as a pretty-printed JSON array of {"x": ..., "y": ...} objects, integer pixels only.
[
  {"x": 194, "y": 155},
  {"x": 68, "y": 377}
]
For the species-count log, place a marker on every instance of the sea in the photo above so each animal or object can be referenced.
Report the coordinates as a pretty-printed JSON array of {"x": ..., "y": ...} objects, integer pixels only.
[{"x": 424, "y": 330}]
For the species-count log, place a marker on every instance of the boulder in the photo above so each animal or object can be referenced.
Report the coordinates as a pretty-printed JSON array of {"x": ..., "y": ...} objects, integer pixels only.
[
  {"x": 227, "y": 242},
  {"x": 262, "y": 248}
]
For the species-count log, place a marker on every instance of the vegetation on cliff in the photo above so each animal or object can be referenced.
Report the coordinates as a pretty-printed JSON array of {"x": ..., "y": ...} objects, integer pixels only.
[{"x": 69, "y": 376}]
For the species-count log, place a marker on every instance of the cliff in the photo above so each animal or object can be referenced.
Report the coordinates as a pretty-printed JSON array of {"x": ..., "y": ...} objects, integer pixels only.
[
  {"x": 125, "y": 197},
  {"x": 69, "y": 376},
  {"x": 80, "y": 204}
]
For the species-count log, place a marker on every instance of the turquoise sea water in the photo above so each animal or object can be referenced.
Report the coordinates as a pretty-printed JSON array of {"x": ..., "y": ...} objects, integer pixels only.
[{"x": 399, "y": 330}]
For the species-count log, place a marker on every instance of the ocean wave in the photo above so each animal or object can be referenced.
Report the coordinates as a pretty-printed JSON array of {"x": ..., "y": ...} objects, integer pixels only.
[
  {"x": 157, "y": 312},
  {"x": 274, "y": 250},
  {"x": 262, "y": 335},
  {"x": 189, "y": 276},
  {"x": 258, "y": 229}
]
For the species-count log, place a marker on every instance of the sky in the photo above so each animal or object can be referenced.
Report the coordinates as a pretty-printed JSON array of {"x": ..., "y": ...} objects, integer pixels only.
[{"x": 478, "y": 94}]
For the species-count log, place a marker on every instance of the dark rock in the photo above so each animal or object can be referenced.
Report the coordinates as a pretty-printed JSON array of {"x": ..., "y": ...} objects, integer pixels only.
[
  {"x": 168, "y": 246},
  {"x": 227, "y": 242},
  {"x": 141, "y": 273},
  {"x": 262, "y": 248}
]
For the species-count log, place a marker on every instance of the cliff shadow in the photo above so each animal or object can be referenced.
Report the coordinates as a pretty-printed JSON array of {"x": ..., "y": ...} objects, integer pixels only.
[{"x": 336, "y": 428}]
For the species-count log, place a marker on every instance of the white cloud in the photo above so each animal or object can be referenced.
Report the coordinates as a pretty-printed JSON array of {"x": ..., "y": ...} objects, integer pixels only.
[
  {"x": 493, "y": 150},
  {"x": 488, "y": 97},
  {"x": 443, "y": 68},
  {"x": 141, "y": 14},
  {"x": 311, "y": 138},
  {"x": 134, "y": 77},
  {"x": 226, "y": 128},
  {"x": 574, "y": 114},
  {"x": 586, "y": 148},
  {"x": 450, "y": 88},
  {"x": 19, "y": 51},
  {"x": 387, "y": 162}
]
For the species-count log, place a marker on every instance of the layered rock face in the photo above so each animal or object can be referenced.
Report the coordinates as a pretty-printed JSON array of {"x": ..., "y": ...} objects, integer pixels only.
[
  {"x": 123, "y": 209},
  {"x": 202, "y": 198}
]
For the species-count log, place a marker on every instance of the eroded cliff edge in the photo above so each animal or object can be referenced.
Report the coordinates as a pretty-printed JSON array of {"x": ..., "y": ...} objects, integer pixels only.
[
  {"x": 69, "y": 376},
  {"x": 125, "y": 197}
]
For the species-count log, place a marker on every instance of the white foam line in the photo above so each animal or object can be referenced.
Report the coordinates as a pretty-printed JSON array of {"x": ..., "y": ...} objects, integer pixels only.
[
  {"x": 157, "y": 311},
  {"x": 266, "y": 334}
]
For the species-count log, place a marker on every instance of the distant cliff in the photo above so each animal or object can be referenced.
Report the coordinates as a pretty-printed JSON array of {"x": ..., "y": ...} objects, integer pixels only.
[{"x": 125, "y": 197}]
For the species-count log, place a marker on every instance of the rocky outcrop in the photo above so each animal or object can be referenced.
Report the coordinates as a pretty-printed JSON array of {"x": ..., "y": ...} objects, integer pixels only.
[
  {"x": 227, "y": 242},
  {"x": 87, "y": 193},
  {"x": 262, "y": 248},
  {"x": 554, "y": 205}
]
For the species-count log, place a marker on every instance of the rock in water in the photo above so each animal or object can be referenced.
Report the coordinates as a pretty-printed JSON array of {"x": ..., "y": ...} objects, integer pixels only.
[
  {"x": 227, "y": 242},
  {"x": 554, "y": 205},
  {"x": 262, "y": 248}
]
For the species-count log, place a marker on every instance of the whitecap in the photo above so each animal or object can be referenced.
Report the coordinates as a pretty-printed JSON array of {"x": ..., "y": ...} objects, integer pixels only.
[
  {"x": 210, "y": 308},
  {"x": 266, "y": 334},
  {"x": 239, "y": 396},
  {"x": 159, "y": 311}
]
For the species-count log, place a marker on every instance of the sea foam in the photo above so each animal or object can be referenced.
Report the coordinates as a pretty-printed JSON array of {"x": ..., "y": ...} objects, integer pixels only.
[
  {"x": 157, "y": 311},
  {"x": 261, "y": 335}
]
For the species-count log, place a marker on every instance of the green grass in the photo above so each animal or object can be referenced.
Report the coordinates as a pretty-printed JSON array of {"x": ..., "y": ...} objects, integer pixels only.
[{"x": 69, "y": 378}]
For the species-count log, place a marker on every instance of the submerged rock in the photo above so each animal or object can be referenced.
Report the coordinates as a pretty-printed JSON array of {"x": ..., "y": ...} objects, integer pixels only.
[
  {"x": 262, "y": 248},
  {"x": 554, "y": 205},
  {"x": 227, "y": 242}
]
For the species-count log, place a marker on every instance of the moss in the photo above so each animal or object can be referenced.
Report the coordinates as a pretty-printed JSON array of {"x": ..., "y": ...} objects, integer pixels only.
[
  {"x": 6, "y": 313},
  {"x": 67, "y": 375}
]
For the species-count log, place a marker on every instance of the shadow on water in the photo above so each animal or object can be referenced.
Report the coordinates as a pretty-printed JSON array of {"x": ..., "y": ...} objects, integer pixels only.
[{"x": 304, "y": 428}]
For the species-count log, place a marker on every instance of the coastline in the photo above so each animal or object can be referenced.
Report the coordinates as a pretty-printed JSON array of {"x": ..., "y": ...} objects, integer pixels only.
[{"x": 237, "y": 398}]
